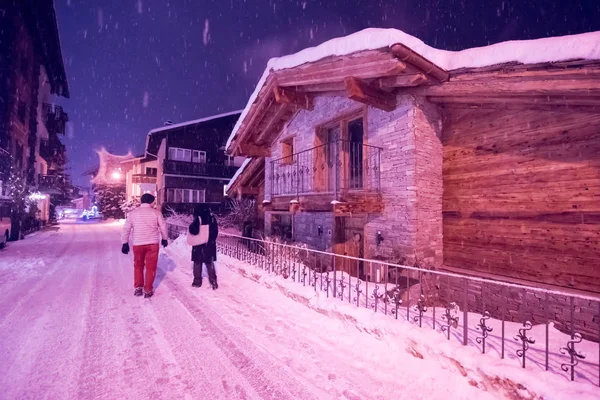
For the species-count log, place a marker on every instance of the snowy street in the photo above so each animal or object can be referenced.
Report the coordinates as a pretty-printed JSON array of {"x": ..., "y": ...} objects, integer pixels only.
[{"x": 70, "y": 328}]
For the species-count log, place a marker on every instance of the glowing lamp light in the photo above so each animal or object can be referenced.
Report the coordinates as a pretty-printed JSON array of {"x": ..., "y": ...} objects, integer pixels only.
[
  {"x": 116, "y": 175},
  {"x": 37, "y": 196}
]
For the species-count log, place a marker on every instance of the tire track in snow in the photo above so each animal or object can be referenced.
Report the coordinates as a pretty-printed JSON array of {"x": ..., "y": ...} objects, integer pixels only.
[
  {"x": 19, "y": 298},
  {"x": 253, "y": 364},
  {"x": 42, "y": 338}
]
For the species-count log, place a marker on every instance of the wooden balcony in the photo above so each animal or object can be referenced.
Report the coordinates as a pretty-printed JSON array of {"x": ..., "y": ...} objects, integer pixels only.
[
  {"x": 199, "y": 169},
  {"x": 55, "y": 118},
  {"x": 346, "y": 172},
  {"x": 143, "y": 178}
]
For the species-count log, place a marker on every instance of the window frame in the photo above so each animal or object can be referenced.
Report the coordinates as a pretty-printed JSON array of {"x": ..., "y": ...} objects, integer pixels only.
[
  {"x": 201, "y": 159},
  {"x": 287, "y": 150},
  {"x": 179, "y": 196}
]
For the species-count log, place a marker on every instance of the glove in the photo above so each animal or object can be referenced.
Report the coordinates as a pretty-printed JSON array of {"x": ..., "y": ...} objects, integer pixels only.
[
  {"x": 164, "y": 243},
  {"x": 125, "y": 248}
]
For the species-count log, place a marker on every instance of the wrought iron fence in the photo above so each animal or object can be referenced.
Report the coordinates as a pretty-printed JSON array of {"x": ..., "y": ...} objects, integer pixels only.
[
  {"x": 330, "y": 168},
  {"x": 510, "y": 320}
]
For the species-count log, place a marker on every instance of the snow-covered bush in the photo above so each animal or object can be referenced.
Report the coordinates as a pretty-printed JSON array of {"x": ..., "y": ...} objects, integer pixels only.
[
  {"x": 179, "y": 219},
  {"x": 130, "y": 205},
  {"x": 238, "y": 212}
]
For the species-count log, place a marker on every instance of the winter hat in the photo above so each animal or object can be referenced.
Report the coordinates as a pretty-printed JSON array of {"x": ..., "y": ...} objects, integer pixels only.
[{"x": 147, "y": 198}]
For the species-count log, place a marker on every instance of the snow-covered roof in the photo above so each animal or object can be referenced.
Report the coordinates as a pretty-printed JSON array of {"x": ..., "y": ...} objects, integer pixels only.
[
  {"x": 196, "y": 121},
  {"x": 584, "y": 46},
  {"x": 238, "y": 173}
]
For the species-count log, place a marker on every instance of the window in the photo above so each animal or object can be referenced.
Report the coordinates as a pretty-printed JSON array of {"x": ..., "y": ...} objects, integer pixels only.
[
  {"x": 22, "y": 111},
  {"x": 25, "y": 67},
  {"x": 151, "y": 171},
  {"x": 199, "y": 156},
  {"x": 287, "y": 150},
  {"x": 178, "y": 154},
  {"x": 185, "y": 196}
]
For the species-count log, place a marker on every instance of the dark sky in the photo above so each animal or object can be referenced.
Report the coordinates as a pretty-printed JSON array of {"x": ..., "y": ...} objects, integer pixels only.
[{"x": 133, "y": 64}]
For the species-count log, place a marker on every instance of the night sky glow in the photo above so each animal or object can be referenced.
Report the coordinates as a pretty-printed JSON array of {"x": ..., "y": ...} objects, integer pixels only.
[{"x": 133, "y": 64}]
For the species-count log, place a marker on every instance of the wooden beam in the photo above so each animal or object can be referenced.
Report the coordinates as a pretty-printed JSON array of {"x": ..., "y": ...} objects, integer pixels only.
[
  {"x": 406, "y": 54},
  {"x": 401, "y": 81},
  {"x": 248, "y": 190},
  {"x": 584, "y": 73},
  {"x": 292, "y": 97},
  {"x": 273, "y": 122},
  {"x": 499, "y": 87},
  {"x": 252, "y": 150},
  {"x": 325, "y": 87},
  {"x": 320, "y": 75},
  {"x": 360, "y": 91},
  {"x": 519, "y": 102}
]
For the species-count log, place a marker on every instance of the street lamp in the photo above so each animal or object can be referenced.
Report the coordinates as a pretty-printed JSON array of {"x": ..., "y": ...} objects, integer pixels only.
[{"x": 116, "y": 175}]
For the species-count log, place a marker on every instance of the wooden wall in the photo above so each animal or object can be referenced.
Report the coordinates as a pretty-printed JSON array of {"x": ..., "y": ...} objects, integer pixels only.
[{"x": 522, "y": 194}]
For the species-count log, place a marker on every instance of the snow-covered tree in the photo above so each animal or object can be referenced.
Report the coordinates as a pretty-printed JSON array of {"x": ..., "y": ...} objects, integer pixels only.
[
  {"x": 130, "y": 205},
  {"x": 110, "y": 198}
]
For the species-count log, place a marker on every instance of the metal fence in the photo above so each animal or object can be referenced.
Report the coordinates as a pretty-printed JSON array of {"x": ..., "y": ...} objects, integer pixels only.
[{"x": 496, "y": 317}]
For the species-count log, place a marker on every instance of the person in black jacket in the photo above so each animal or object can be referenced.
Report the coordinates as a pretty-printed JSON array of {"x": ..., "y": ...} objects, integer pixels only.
[{"x": 206, "y": 253}]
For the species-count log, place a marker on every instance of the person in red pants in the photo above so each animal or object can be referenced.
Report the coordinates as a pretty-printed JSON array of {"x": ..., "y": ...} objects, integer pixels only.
[{"x": 145, "y": 226}]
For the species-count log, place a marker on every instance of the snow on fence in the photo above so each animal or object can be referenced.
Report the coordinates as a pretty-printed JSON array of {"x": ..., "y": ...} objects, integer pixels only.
[{"x": 458, "y": 306}]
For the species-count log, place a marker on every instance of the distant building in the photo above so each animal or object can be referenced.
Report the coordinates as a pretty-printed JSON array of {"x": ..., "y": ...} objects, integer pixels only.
[
  {"x": 190, "y": 160},
  {"x": 140, "y": 176},
  {"x": 32, "y": 71}
]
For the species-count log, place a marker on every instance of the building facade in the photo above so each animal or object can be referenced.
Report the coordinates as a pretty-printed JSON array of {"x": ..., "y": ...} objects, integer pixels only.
[
  {"x": 480, "y": 162},
  {"x": 140, "y": 176},
  {"x": 191, "y": 164},
  {"x": 32, "y": 70}
]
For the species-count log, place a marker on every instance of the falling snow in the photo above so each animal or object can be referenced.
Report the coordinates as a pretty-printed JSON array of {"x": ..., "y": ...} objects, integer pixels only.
[
  {"x": 206, "y": 32},
  {"x": 146, "y": 99},
  {"x": 111, "y": 48}
]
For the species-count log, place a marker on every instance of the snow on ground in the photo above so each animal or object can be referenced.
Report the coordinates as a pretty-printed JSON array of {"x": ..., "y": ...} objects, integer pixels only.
[
  {"x": 71, "y": 328},
  {"x": 400, "y": 338}
]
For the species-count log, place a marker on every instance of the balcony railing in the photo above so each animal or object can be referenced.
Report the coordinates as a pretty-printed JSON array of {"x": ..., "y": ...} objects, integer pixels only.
[
  {"x": 198, "y": 169},
  {"x": 144, "y": 178},
  {"x": 55, "y": 118},
  {"x": 335, "y": 167}
]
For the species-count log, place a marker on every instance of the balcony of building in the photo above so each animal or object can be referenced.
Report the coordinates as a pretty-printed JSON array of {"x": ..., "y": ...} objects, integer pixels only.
[
  {"x": 55, "y": 118},
  {"x": 338, "y": 173},
  {"x": 144, "y": 178},
  {"x": 185, "y": 168}
]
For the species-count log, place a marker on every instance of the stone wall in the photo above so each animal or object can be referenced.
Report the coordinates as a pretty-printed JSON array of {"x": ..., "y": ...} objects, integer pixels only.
[
  {"x": 410, "y": 163},
  {"x": 519, "y": 305},
  {"x": 427, "y": 124},
  {"x": 306, "y": 229}
]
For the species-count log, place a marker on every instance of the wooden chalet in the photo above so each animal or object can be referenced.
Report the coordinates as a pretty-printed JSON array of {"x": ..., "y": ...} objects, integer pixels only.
[
  {"x": 483, "y": 161},
  {"x": 190, "y": 165}
]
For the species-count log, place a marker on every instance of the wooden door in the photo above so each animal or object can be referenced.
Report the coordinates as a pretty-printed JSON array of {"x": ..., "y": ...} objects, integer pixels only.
[{"x": 354, "y": 247}]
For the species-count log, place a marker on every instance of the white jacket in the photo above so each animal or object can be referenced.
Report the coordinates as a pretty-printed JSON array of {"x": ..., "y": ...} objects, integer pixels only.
[{"x": 147, "y": 224}]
